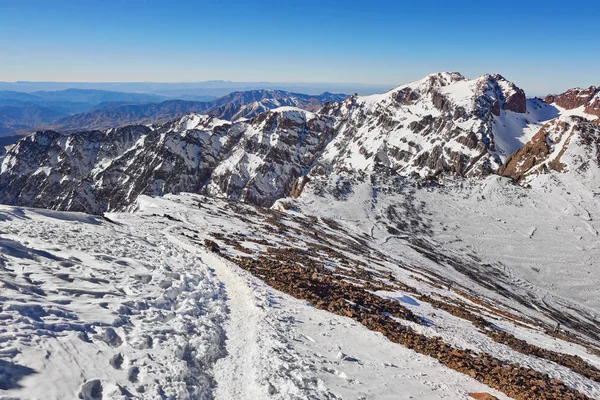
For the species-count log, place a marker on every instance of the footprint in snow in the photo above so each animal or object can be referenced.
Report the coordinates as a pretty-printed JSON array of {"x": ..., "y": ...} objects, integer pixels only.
[{"x": 111, "y": 338}]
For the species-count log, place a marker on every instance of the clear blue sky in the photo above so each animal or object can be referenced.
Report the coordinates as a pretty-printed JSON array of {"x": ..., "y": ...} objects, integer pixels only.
[{"x": 540, "y": 45}]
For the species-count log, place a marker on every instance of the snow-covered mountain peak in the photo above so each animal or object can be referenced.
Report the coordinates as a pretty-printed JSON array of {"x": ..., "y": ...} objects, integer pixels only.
[
  {"x": 438, "y": 79},
  {"x": 441, "y": 124},
  {"x": 490, "y": 91},
  {"x": 411, "y": 91},
  {"x": 199, "y": 122},
  {"x": 443, "y": 90}
]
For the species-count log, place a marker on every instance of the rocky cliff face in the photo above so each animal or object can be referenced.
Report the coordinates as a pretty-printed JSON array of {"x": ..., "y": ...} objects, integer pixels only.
[
  {"x": 586, "y": 99},
  {"x": 275, "y": 149},
  {"x": 96, "y": 171},
  {"x": 442, "y": 125}
]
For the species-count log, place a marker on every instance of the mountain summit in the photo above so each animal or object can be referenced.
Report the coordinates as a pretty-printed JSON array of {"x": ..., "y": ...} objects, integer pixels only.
[{"x": 443, "y": 123}]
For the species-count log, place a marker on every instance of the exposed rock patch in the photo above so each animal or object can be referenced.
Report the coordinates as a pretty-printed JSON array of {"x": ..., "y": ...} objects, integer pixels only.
[
  {"x": 574, "y": 98},
  {"x": 516, "y": 102},
  {"x": 547, "y": 149}
]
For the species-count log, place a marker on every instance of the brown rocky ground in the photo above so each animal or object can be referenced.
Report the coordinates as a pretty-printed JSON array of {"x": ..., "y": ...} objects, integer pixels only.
[{"x": 575, "y": 98}]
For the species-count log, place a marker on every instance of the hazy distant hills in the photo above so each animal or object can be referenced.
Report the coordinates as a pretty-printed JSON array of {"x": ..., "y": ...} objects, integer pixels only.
[
  {"x": 123, "y": 114},
  {"x": 21, "y": 111},
  {"x": 75, "y": 100},
  {"x": 195, "y": 91},
  {"x": 18, "y": 117},
  {"x": 90, "y": 96}
]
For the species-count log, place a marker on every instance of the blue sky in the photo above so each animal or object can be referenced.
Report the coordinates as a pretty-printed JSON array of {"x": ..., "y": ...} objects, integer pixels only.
[{"x": 540, "y": 45}]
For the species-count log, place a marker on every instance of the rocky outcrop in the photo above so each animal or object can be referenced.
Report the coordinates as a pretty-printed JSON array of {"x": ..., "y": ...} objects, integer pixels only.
[
  {"x": 298, "y": 186},
  {"x": 505, "y": 94},
  {"x": 406, "y": 96},
  {"x": 496, "y": 110},
  {"x": 528, "y": 156},
  {"x": 517, "y": 102},
  {"x": 567, "y": 143},
  {"x": 482, "y": 396},
  {"x": 588, "y": 98}
]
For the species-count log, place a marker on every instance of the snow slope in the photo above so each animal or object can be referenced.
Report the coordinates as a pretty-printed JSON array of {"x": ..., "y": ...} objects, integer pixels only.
[
  {"x": 546, "y": 236},
  {"x": 542, "y": 240},
  {"x": 122, "y": 308},
  {"x": 325, "y": 366},
  {"x": 133, "y": 306},
  {"x": 90, "y": 306}
]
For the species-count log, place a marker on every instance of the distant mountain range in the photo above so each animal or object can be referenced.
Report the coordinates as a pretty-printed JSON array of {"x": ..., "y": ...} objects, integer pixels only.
[
  {"x": 28, "y": 106},
  {"x": 87, "y": 96},
  {"x": 195, "y": 91},
  {"x": 21, "y": 111},
  {"x": 76, "y": 109},
  {"x": 15, "y": 117}
]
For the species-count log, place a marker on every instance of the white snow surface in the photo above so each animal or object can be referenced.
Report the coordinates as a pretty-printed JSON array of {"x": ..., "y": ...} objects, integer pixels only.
[
  {"x": 179, "y": 322},
  {"x": 543, "y": 238}
]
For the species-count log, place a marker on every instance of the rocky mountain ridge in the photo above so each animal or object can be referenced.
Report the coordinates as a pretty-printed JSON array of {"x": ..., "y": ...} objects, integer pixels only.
[
  {"x": 444, "y": 125},
  {"x": 587, "y": 100},
  {"x": 95, "y": 171},
  {"x": 234, "y": 106}
]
